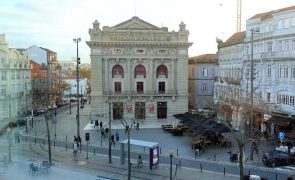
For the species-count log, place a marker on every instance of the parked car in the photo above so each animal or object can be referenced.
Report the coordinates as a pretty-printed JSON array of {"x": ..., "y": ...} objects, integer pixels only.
[{"x": 277, "y": 158}]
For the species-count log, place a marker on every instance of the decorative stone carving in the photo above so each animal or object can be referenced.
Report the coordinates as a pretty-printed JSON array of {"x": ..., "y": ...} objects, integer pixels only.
[
  {"x": 172, "y": 51},
  {"x": 95, "y": 32},
  {"x": 182, "y": 26}
]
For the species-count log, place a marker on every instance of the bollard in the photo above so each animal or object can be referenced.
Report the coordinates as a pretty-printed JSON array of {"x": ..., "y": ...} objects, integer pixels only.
[
  {"x": 201, "y": 167},
  {"x": 177, "y": 151},
  {"x": 66, "y": 143},
  {"x": 214, "y": 157},
  {"x": 224, "y": 171}
]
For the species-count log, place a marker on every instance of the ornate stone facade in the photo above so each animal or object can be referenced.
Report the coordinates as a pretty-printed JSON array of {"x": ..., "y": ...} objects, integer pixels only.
[{"x": 139, "y": 69}]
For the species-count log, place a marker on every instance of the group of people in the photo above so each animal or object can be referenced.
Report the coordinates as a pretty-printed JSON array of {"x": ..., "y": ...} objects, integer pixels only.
[{"x": 77, "y": 144}]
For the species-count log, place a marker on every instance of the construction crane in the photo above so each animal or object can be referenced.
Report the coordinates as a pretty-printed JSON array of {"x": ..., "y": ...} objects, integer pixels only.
[{"x": 239, "y": 15}]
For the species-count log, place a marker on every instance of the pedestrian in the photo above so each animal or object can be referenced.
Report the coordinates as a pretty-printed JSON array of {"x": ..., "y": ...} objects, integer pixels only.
[
  {"x": 17, "y": 140},
  {"x": 75, "y": 148},
  {"x": 103, "y": 132},
  {"x": 177, "y": 166},
  {"x": 79, "y": 140},
  {"x": 55, "y": 113},
  {"x": 107, "y": 132},
  {"x": 117, "y": 136},
  {"x": 75, "y": 139},
  {"x": 137, "y": 126},
  {"x": 113, "y": 140},
  {"x": 100, "y": 124},
  {"x": 139, "y": 162}
]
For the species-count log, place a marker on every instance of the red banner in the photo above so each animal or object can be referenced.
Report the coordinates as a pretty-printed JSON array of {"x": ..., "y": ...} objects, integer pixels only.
[
  {"x": 152, "y": 107},
  {"x": 129, "y": 108}
]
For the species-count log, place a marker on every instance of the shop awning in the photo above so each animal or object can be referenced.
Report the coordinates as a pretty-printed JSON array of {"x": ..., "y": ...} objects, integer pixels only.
[{"x": 280, "y": 120}]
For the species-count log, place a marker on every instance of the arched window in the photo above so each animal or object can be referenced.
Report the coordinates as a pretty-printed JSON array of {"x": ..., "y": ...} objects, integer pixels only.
[
  {"x": 118, "y": 71},
  {"x": 139, "y": 71},
  {"x": 162, "y": 71}
]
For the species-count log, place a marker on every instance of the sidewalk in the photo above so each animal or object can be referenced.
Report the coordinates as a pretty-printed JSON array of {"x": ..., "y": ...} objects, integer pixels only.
[{"x": 78, "y": 167}]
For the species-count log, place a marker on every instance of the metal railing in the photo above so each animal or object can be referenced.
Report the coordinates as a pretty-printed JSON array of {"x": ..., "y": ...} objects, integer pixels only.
[{"x": 140, "y": 93}]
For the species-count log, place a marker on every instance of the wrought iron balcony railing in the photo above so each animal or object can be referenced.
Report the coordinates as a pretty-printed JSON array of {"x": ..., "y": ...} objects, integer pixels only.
[{"x": 140, "y": 93}]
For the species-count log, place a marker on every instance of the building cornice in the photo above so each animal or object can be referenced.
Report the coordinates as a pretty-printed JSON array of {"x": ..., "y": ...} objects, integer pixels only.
[{"x": 132, "y": 43}]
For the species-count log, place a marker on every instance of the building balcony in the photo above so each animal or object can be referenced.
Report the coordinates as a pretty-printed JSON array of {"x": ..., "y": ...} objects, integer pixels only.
[{"x": 140, "y": 93}]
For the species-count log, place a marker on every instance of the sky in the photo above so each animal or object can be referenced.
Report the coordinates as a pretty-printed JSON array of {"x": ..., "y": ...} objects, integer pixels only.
[{"x": 53, "y": 24}]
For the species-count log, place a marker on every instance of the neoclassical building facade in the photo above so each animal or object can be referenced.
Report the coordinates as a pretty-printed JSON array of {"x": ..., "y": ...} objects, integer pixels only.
[
  {"x": 138, "y": 70},
  {"x": 15, "y": 83}
]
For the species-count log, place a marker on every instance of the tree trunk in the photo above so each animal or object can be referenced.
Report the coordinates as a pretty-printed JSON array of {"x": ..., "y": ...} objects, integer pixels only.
[
  {"x": 241, "y": 163},
  {"x": 48, "y": 137}
]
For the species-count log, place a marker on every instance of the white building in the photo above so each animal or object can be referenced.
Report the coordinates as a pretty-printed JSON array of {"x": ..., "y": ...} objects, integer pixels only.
[
  {"x": 274, "y": 68},
  {"x": 15, "y": 83},
  {"x": 140, "y": 69},
  {"x": 228, "y": 84},
  {"x": 274, "y": 55}
]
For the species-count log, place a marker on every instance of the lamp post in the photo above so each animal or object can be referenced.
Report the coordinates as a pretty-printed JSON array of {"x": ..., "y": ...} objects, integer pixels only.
[
  {"x": 78, "y": 62},
  {"x": 171, "y": 152},
  {"x": 110, "y": 134},
  {"x": 253, "y": 31}
]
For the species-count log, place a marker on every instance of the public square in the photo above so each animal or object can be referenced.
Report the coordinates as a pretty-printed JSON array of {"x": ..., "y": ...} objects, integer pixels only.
[{"x": 214, "y": 159}]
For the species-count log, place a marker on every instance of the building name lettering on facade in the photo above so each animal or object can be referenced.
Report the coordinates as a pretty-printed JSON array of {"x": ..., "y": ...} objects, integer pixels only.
[{"x": 140, "y": 37}]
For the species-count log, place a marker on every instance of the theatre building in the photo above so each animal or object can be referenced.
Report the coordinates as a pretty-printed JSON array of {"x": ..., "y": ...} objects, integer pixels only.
[{"x": 138, "y": 70}]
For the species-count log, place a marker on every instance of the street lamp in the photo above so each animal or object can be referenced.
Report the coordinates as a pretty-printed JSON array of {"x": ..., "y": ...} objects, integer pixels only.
[
  {"x": 253, "y": 31},
  {"x": 171, "y": 152},
  {"x": 78, "y": 62}
]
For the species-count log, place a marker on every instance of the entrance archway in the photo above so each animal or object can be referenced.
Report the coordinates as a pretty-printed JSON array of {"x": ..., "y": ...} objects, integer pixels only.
[
  {"x": 139, "y": 110},
  {"x": 117, "y": 110}
]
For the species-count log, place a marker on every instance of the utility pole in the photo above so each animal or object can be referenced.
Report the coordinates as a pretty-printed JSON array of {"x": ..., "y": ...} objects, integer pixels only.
[{"x": 77, "y": 69}]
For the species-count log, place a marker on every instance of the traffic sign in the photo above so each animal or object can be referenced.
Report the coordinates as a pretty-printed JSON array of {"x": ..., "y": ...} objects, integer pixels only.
[{"x": 281, "y": 135}]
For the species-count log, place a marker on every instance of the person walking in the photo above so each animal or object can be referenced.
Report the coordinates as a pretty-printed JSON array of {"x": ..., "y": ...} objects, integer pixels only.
[
  {"x": 103, "y": 133},
  {"x": 79, "y": 142},
  {"x": 55, "y": 113},
  {"x": 113, "y": 140},
  {"x": 75, "y": 148},
  {"x": 100, "y": 124},
  {"x": 75, "y": 145},
  {"x": 107, "y": 132},
  {"x": 117, "y": 136},
  {"x": 139, "y": 162},
  {"x": 137, "y": 126}
]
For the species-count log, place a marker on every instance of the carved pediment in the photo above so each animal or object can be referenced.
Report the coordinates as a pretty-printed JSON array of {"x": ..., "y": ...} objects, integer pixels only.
[{"x": 135, "y": 24}]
